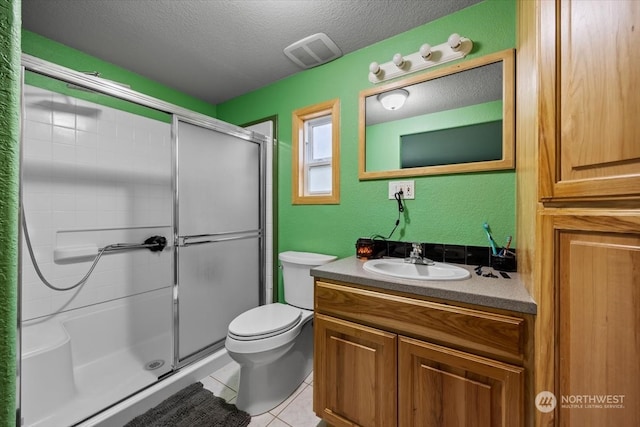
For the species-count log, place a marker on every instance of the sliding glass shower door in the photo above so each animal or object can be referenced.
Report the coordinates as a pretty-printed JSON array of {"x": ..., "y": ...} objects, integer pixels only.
[
  {"x": 219, "y": 223},
  {"x": 106, "y": 170}
]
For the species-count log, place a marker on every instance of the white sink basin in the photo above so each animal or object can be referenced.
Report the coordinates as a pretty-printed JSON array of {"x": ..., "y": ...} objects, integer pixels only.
[{"x": 397, "y": 267}]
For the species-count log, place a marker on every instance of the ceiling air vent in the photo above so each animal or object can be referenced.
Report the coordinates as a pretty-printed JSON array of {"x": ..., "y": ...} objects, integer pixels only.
[{"x": 312, "y": 51}]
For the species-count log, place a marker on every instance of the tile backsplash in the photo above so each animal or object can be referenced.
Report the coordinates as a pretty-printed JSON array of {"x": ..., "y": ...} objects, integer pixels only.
[{"x": 441, "y": 252}]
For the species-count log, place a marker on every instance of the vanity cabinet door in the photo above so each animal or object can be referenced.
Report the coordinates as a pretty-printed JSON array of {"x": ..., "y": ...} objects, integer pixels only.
[
  {"x": 354, "y": 374},
  {"x": 590, "y": 148},
  {"x": 442, "y": 387}
]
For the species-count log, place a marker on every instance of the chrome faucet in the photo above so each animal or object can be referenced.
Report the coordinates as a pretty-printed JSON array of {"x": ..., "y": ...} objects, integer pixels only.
[{"x": 415, "y": 257}]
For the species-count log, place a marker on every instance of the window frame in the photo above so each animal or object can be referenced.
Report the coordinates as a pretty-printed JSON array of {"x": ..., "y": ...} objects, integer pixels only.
[{"x": 300, "y": 150}]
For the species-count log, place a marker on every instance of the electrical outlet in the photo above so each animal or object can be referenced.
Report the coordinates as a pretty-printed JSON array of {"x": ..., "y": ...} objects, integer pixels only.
[{"x": 407, "y": 187}]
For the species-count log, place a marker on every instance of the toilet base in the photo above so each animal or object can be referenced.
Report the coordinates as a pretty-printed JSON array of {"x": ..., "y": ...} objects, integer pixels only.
[{"x": 263, "y": 387}]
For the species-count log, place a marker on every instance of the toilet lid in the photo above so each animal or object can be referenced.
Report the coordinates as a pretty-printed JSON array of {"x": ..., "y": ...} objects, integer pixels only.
[{"x": 264, "y": 321}]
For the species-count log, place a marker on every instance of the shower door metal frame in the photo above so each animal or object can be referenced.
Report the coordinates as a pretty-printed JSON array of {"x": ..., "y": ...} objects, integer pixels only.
[
  {"x": 181, "y": 241},
  {"x": 49, "y": 69}
]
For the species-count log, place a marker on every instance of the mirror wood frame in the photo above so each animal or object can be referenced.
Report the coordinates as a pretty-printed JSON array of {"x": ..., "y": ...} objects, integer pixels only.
[{"x": 507, "y": 57}]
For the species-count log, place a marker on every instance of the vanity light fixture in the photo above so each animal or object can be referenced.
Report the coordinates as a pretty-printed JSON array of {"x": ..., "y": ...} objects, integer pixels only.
[
  {"x": 455, "y": 47},
  {"x": 393, "y": 100}
]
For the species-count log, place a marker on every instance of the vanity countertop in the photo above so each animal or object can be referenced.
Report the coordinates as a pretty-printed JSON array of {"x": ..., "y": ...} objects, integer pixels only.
[{"x": 507, "y": 294}]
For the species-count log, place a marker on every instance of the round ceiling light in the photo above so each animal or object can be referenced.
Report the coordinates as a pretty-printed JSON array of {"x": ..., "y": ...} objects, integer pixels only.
[{"x": 394, "y": 99}]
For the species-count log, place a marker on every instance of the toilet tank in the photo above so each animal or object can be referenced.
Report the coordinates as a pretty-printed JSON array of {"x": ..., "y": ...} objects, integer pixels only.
[{"x": 298, "y": 283}]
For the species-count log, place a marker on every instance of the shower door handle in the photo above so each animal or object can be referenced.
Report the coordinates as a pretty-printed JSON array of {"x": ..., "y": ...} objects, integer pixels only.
[{"x": 201, "y": 239}]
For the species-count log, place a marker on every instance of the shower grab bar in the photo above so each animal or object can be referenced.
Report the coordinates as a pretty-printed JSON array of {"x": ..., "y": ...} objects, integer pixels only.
[
  {"x": 128, "y": 246},
  {"x": 153, "y": 243},
  {"x": 218, "y": 237}
]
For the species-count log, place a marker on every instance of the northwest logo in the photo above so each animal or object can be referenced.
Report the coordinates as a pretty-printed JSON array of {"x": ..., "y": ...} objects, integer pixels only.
[{"x": 546, "y": 401}]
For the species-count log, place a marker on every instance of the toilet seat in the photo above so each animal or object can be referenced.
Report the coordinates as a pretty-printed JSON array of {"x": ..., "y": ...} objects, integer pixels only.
[{"x": 264, "y": 322}]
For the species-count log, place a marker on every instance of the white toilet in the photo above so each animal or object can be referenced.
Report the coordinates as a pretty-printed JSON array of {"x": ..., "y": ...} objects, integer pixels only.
[{"x": 273, "y": 343}]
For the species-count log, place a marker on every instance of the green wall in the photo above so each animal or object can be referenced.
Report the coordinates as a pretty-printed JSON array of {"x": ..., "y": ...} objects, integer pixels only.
[
  {"x": 447, "y": 209},
  {"x": 38, "y": 80},
  {"x": 41, "y": 47},
  {"x": 10, "y": 18}
]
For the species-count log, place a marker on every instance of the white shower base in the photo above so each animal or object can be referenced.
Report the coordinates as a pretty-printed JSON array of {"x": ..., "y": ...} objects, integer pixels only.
[
  {"x": 77, "y": 363},
  {"x": 120, "y": 414}
]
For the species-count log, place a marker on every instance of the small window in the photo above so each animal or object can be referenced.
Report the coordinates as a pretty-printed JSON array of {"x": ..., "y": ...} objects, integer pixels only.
[{"x": 316, "y": 154}]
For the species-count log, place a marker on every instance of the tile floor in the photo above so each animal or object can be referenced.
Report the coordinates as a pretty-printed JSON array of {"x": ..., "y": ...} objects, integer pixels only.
[{"x": 296, "y": 411}]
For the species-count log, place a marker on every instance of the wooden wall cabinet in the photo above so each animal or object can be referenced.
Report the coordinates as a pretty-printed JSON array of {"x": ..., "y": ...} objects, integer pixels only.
[
  {"x": 390, "y": 360},
  {"x": 578, "y": 168},
  {"x": 598, "y": 318},
  {"x": 591, "y": 95}
]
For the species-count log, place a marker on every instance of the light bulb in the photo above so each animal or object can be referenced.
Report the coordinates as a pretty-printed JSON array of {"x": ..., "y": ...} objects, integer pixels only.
[
  {"x": 375, "y": 72},
  {"x": 454, "y": 41},
  {"x": 398, "y": 60},
  {"x": 425, "y": 51}
]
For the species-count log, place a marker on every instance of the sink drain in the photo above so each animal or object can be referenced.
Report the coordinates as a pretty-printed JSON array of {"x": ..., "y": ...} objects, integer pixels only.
[{"x": 154, "y": 364}]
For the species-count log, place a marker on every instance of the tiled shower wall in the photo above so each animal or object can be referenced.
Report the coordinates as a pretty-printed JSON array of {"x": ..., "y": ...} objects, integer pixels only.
[{"x": 92, "y": 176}]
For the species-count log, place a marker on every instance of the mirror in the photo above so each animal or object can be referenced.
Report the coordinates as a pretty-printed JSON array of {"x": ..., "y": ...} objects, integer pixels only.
[{"x": 456, "y": 119}]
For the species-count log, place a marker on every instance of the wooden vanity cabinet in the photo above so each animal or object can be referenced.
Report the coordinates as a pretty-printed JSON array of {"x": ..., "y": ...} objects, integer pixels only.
[
  {"x": 392, "y": 360},
  {"x": 443, "y": 387},
  {"x": 357, "y": 373}
]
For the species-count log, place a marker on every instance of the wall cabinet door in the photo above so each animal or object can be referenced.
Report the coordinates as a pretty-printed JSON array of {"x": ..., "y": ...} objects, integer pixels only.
[
  {"x": 442, "y": 387},
  {"x": 354, "y": 374},
  {"x": 599, "y": 322},
  {"x": 591, "y": 99}
]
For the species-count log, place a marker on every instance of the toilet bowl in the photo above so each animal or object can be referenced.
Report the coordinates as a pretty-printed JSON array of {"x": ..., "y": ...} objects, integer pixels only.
[{"x": 273, "y": 343}]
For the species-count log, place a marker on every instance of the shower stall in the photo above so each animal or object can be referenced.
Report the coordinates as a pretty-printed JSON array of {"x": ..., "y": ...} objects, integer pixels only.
[{"x": 143, "y": 236}]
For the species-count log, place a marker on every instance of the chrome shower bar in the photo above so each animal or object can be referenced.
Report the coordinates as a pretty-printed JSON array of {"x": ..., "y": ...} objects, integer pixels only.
[
  {"x": 153, "y": 243},
  {"x": 126, "y": 246},
  {"x": 217, "y": 237}
]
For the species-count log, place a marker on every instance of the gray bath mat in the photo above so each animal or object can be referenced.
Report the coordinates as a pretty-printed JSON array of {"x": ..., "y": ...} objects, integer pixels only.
[{"x": 193, "y": 406}]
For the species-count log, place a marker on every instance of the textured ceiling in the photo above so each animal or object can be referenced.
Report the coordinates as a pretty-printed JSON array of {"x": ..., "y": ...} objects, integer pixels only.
[{"x": 216, "y": 50}]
